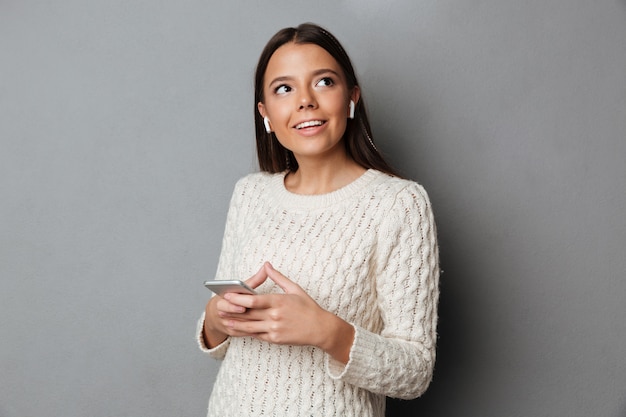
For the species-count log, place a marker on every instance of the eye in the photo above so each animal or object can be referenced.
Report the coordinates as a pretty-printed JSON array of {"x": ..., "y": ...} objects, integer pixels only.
[
  {"x": 325, "y": 82},
  {"x": 282, "y": 89}
]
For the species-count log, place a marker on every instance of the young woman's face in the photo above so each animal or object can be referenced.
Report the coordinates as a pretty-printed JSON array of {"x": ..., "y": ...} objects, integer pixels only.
[{"x": 306, "y": 100}]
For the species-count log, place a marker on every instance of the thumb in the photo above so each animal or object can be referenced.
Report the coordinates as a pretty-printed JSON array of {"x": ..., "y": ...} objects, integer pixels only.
[
  {"x": 258, "y": 278},
  {"x": 282, "y": 281}
]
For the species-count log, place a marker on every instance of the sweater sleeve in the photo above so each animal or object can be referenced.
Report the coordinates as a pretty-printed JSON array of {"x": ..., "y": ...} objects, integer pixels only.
[
  {"x": 224, "y": 267},
  {"x": 399, "y": 361}
]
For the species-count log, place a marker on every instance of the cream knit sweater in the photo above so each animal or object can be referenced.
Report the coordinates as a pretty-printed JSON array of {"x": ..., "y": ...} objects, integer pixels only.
[{"x": 366, "y": 252}]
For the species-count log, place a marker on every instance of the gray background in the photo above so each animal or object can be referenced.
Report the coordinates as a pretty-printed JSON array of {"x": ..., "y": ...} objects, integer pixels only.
[{"x": 124, "y": 125}]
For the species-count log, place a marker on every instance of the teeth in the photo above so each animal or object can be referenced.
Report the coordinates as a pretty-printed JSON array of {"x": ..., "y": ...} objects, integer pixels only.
[{"x": 309, "y": 124}]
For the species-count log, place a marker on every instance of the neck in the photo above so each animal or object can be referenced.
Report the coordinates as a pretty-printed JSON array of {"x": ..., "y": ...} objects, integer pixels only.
[{"x": 321, "y": 177}]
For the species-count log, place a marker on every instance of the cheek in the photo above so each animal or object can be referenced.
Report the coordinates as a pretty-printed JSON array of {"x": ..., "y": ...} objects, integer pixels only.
[
  {"x": 277, "y": 111},
  {"x": 337, "y": 105}
]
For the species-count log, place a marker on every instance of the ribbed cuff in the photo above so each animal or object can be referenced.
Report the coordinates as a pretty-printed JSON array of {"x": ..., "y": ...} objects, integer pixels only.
[
  {"x": 219, "y": 351},
  {"x": 361, "y": 354}
]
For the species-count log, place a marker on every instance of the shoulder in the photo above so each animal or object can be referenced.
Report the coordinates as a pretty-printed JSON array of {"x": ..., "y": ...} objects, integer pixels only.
[
  {"x": 256, "y": 178},
  {"x": 401, "y": 192},
  {"x": 257, "y": 182},
  {"x": 406, "y": 207}
]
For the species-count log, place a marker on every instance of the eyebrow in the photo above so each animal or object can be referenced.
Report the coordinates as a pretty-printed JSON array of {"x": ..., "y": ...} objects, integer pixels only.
[{"x": 315, "y": 73}]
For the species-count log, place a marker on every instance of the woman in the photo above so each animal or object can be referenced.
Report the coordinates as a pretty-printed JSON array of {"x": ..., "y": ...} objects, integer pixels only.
[{"x": 342, "y": 253}]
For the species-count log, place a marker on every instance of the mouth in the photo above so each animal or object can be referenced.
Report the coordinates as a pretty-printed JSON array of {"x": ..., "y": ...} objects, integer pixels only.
[{"x": 309, "y": 123}]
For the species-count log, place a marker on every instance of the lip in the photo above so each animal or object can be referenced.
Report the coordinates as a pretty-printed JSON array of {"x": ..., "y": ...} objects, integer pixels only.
[
  {"x": 310, "y": 131},
  {"x": 315, "y": 123}
]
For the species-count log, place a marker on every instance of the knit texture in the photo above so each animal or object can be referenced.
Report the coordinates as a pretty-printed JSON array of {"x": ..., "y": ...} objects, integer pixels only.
[{"x": 367, "y": 253}]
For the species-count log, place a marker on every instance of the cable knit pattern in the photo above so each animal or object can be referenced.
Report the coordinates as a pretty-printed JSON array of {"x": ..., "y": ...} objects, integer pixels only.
[{"x": 368, "y": 253}]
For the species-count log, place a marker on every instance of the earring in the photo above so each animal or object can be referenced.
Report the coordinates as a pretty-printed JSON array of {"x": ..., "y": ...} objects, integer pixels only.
[
  {"x": 266, "y": 122},
  {"x": 352, "y": 106}
]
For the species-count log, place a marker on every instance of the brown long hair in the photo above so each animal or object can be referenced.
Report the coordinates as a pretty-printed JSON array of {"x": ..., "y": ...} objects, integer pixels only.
[{"x": 272, "y": 156}]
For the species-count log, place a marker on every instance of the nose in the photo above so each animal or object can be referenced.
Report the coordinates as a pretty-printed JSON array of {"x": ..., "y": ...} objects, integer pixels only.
[{"x": 307, "y": 100}]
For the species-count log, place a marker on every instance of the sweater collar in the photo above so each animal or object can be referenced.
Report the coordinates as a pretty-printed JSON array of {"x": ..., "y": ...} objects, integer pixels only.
[{"x": 287, "y": 198}]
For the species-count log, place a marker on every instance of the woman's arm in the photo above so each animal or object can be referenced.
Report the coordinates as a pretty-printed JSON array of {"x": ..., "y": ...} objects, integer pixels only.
[
  {"x": 399, "y": 362},
  {"x": 212, "y": 332}
]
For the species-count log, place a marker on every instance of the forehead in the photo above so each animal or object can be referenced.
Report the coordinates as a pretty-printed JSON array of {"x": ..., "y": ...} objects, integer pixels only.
[{"x": 293, "y": 59}]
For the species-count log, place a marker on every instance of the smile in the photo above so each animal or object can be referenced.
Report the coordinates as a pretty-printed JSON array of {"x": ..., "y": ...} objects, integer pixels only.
[{"x": 310, "y": 123}]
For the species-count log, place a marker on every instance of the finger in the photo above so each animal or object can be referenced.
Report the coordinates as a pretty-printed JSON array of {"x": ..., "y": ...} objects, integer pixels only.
[
  {"x": 250, "y": 314},
  {"x": 240, "y": 300},
  {"x": 282, "y": 281},
  {"x": 245, "y": 327},
  {"x": 254, "y": 302},
  {"x": 224, "y": 306},
  {"x": 243, "y": 300},
  {"x": 258, "y": 278},
  {"x": 231, "y": 331}
]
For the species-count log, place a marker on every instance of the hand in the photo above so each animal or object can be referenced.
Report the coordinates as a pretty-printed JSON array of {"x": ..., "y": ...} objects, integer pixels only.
[
  {"x": 215, "y": 329},
  {"x": 292, "y": 318}
]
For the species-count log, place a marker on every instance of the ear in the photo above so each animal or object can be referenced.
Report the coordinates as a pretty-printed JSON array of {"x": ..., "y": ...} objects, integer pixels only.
[
  {"x": 261, "y": 108},
  {"x": 356, "y": 94}
]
